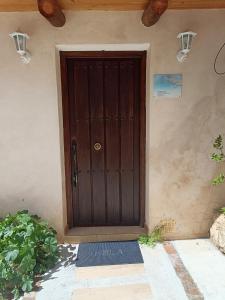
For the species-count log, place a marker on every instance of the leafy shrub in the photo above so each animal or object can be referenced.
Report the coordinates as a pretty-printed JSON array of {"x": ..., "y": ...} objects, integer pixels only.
[
  {"x": 28, "y": 247},
  {"x": 157, "y": 235}
]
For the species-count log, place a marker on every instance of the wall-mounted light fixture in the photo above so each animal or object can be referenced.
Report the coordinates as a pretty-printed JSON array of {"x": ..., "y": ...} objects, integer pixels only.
[
  {"x": 20, "y": 40},
  {"x": 185, "y": 42}
]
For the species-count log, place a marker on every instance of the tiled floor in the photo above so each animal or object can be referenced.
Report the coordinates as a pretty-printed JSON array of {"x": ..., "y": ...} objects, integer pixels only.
[
  {"x": 206, "y": 265},
  {"x": 178, "y": 270}
]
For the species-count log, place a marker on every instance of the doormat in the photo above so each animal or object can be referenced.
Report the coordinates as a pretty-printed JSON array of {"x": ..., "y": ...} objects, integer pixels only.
[{"x": 108, "y": 253}]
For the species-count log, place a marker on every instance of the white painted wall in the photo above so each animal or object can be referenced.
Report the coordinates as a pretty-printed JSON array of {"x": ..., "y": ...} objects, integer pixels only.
[{"x": 180, "y": 131}]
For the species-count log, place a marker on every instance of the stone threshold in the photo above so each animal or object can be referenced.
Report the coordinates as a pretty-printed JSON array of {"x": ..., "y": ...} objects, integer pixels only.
[{"x": 104, "y": 234}]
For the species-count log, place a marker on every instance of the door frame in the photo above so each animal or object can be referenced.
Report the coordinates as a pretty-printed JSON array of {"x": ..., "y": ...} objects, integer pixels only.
[{"x": 64, "y": 55}]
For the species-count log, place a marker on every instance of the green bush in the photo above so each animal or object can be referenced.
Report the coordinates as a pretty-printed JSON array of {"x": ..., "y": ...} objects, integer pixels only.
[
  {"x": 28, "y": 247},
  {"x": 157, "y": 235},
  {"x": 218, "y": 157}
]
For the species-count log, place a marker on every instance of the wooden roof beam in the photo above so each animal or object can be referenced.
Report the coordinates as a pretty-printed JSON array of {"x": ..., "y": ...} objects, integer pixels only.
[
  {"x": 153, "y": 12},
  {"x": 51, "y": 10},
  {"x": 31, "y": 5}
]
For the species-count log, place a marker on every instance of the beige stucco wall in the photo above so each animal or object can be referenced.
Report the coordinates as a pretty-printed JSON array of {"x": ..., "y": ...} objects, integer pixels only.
[{"x": 179, "y": 131}]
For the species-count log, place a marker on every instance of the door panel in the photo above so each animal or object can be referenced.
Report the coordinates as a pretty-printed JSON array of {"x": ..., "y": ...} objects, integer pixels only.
[
  {"x": 111, "y": 89},
  {"x": 99, "y": 209},
  {"x": 83, "y": 203},
  {"x": 127, "y": 171},
  {"x": 96, "y": 89},
  {"x": 103, "y": 111},
  {"x": 81, "y": 99},
  {"x": 127, "y": 86}
]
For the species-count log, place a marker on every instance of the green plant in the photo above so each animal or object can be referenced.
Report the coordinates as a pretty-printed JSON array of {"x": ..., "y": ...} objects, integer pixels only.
[
  {"x": 222, "y": 210},
  {"x": 152, "y": 239},
  {"x": 28, "y": 247},
  {"x": 218, "y": 156},
  {"x": 157, "y": 235}
]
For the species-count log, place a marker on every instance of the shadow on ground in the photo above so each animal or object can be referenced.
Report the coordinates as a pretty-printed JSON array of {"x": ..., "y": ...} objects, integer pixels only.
[{"x": 68, "y": 256}]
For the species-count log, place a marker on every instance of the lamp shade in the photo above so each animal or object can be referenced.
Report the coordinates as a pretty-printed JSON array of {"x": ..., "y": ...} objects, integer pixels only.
[
  {"x": 20, "y": 40},
  {"x": 185, "y": 45},
  {"x": 186, "y": 40}
]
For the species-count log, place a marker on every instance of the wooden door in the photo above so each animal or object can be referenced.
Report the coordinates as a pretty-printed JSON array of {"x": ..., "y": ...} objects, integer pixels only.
[{"x": 104, "y": 137}]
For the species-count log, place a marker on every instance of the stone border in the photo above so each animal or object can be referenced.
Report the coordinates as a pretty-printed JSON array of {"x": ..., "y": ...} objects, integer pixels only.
[{"x": 191, "y": 289}]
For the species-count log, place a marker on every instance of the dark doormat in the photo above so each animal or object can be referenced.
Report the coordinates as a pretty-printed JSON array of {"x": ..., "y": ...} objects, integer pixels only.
[{"x": 108, "y": 253}]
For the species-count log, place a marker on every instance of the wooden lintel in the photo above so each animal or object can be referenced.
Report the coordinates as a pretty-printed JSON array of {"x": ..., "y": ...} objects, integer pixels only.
[
  {"x": 153, "y": 12},
  {"x": 31, "y": 5},
  {"x": 51, "y": 10}
]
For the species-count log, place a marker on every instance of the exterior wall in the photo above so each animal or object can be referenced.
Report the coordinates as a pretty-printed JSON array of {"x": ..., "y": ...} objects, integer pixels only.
[{"x": 179, "y": 131}]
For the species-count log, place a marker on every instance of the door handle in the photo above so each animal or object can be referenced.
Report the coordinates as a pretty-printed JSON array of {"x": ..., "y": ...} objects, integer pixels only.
[{"x": 75, "y": 165}]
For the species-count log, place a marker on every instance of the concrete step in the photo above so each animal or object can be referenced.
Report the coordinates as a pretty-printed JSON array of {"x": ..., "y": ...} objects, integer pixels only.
[
  {"x": 92, "y": 273},
  {"x": 124, "y": 292}
]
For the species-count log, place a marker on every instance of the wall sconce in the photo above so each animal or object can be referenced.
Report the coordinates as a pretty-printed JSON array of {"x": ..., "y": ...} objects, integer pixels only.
[
  {"x": 20, "y": 40},
  {"x": 185, "y": 41}
]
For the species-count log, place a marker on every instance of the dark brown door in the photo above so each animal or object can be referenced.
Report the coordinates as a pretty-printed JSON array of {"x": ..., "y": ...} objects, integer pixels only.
[{"x": 104, "y": 137}]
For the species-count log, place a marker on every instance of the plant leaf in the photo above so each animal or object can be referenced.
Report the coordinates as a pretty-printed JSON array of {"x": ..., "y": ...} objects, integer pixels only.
[
  {"x": 222, "y": 210},
  {"x": 218, "y": 143},
  {"x": 219, "y": 179},
  {"x": 11, "y": 255},
  {"x": 217, "y": 157},
  {"x": 27, "y": 284},
  {"x": 16, "y": 293}
]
